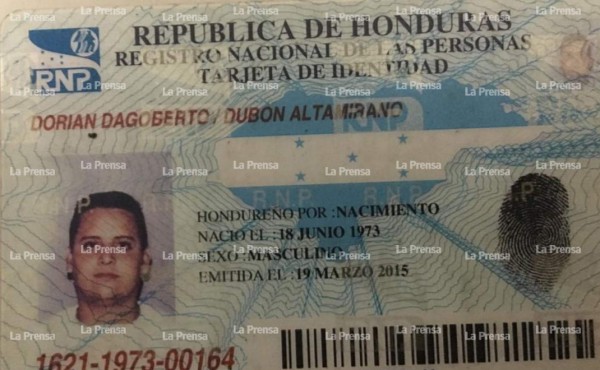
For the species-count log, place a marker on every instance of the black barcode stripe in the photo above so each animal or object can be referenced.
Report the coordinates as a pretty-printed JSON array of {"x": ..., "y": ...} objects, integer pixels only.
[
  {"x": 437, "y": 347},
  {"x": 462, "y": 343},
  {"x": 515, "y": 330},
  {"x": 539, "y": 324},
  {"x": 525, "y": 341},
  {"x": 531, "y": 340},
  {"x": 400, "y": 346},
  {"x": 316, "y": 353},
  {"x": 579, "y": 340},
  {"x": 433, "y": 344},
  {"x": 355, "y": 349},
  {"x": 506, "y": 344},
  {"x": 591, "y": 341},
  {"x": 559, "y": 340},
  {"x": 551, "y": 343},
  {"x": 323, "y": 347},
  {"x": 376, "y": 346},
  {"x": 413, "y": 352},
  {"x": 387, "y": 345},
  {"x": 284, "y": 350},
  {"x": 308, "y": 347},
  {"x": 342, "y": 350},
  {"x": 566, "y": 341},
  {"x": 586, "y": 340},
  {"x": 290, "y": 350},
  {"x": 480, "y": 344},
  {"x": 299, "y": 350}
]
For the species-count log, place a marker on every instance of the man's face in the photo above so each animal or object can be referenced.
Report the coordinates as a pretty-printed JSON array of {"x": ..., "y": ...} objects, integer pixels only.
[{"x": 107, "y": 258}]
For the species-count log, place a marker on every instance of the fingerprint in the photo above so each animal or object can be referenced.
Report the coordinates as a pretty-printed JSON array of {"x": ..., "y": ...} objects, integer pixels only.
[{"x": 533, "y": 220}]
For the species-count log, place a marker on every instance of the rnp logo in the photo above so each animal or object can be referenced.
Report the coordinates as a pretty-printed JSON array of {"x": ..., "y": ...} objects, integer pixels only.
[
  {"x": 67, "y": 61},
  {"x": 63, "y": 80}
]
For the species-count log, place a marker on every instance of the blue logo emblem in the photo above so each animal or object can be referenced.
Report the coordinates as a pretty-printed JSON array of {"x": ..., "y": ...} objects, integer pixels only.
[
  {"x": 67, "y": 61},
  {"x": 84, "y": 42}
]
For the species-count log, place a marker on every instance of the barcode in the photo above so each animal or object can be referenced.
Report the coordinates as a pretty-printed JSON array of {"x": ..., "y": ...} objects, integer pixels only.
[{"x": 388, "y": 346}]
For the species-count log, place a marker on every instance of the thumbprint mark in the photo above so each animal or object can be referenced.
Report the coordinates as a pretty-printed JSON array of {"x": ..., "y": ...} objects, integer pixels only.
[
  {"x": 92, "y": 135},
  {"x": 534, "y": 228}
]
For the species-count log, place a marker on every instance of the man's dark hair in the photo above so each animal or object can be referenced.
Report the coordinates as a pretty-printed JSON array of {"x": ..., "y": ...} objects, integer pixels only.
[{"x": 110, "y": 199}]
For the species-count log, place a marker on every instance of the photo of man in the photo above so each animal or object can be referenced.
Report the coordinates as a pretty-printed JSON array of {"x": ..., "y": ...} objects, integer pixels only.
[{"x": 108, "y": 260}]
